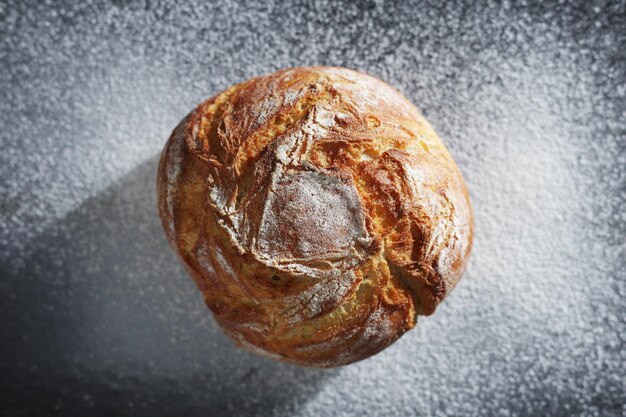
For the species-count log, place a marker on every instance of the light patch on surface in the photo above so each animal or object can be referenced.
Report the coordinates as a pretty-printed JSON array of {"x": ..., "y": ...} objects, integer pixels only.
[
  {"x": 172, "y": 171},
  {"x": 319, "y": 218}
]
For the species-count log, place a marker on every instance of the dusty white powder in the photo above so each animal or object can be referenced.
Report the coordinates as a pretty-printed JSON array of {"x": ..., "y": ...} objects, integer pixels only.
[
  {"x": 173, "y": 170},
  {"x": 202, "y": 255},
  {"x": 99, "y": 315},
  {"x": 266, "y": 109},
  {"x": 317, "y": 217}
]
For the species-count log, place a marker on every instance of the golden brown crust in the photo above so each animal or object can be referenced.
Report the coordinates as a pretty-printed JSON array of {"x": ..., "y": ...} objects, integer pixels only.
[{"x": 317, "y": 211}]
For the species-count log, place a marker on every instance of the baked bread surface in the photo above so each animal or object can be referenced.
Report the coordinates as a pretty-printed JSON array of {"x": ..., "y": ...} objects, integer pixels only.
[{"x": 317, "y": 211}]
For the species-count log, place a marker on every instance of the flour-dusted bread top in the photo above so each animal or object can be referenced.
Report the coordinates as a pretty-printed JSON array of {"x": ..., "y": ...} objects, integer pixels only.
[{"x": 317, "y": 211}]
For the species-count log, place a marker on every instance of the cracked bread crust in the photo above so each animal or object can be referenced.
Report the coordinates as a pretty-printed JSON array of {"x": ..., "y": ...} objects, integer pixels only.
[{"x": 317, "y": 211}]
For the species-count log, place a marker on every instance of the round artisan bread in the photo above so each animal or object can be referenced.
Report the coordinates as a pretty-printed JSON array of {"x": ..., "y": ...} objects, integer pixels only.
[{"x": 317, "y": 211}]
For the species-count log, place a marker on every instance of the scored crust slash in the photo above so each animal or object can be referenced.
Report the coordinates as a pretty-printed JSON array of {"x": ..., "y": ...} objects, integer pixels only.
[{"x": 317, "y": 211}]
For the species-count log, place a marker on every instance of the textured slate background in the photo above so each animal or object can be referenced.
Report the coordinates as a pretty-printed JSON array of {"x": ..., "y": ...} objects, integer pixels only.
[{"x": 98, "y": 317}]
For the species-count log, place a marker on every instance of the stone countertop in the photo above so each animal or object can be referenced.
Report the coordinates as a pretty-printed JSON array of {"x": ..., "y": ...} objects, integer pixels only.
[{"x": 99, "y": 318}]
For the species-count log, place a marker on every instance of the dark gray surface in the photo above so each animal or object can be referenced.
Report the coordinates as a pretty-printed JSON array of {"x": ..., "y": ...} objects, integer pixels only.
[{"x": 98, "y": 317}]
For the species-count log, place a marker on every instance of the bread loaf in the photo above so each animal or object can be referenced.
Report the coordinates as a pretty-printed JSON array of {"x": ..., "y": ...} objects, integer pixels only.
[{"x": 317, "y": 211}]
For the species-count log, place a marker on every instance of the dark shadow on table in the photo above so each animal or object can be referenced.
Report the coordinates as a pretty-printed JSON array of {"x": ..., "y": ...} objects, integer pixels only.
[{"x": 102, "y": 320}]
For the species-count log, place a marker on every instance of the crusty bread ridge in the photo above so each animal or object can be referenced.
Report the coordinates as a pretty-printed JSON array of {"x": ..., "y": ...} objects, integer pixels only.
[{"x": 317, "y": 211}]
